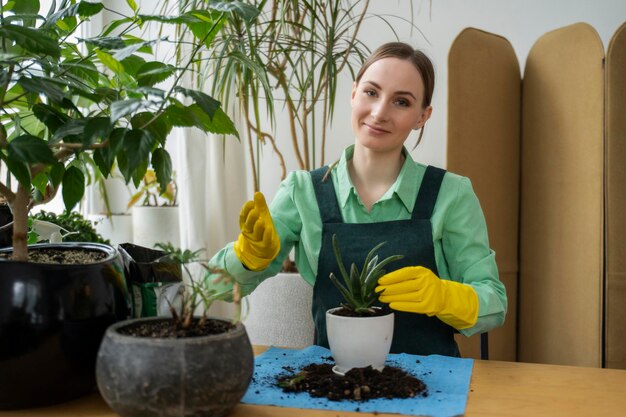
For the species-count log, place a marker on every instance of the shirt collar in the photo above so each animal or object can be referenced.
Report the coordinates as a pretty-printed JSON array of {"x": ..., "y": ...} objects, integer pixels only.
[{"x": 405, "y": 187}]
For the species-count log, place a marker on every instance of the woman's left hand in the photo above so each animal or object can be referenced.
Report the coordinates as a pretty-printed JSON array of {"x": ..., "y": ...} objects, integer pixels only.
[{"x": 416, "y": 289}]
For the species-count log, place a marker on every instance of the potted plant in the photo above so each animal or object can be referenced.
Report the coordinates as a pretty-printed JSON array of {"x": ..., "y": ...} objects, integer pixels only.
[
  {"x": 359, "y": 334},
  {"x": 71, "y": 225},
  {"x": 182, "y": 365},
  {"x": 68, "y": 100},
  {"x": 156, "y": 218}
]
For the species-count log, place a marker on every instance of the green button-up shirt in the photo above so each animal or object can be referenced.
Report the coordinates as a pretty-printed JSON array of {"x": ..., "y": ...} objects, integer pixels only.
[{"x": 460, "y": 236}]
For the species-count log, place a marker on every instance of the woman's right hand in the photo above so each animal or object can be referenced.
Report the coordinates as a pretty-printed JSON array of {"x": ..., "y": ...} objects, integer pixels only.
[{"x": 258, "y": 243}]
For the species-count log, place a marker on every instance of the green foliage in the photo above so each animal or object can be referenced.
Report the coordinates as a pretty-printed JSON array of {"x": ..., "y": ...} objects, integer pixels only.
[
  {"x": 294, "y": 53},
  {"x": 72, "y": 221},
  {"x": 199, "y": 293},
  {"x": 63, "y": 96},
  {"x": 358, "y": 287}
]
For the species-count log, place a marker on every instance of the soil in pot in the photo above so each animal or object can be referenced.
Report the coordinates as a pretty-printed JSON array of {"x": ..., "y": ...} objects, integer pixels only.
[
  {"x": 171, "y": 329},
  {"x": 62, "y": 257},
  {"x": 378, "y": 312},
  {"x": 358, "y": 384}
]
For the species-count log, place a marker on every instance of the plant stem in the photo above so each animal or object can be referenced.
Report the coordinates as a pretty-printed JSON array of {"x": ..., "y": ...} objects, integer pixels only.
[{"x": 20, "y": 224}]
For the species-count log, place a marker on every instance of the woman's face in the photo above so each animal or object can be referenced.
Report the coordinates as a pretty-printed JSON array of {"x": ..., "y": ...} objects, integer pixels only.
[{"x": 387, "y": 105}]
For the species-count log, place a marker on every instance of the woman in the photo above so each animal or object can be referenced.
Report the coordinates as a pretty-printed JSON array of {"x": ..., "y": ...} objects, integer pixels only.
[{"x": 447, "y": 280}]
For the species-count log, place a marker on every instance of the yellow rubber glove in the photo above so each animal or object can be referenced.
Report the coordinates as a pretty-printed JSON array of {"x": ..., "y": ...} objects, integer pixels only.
[
  {"x": 258, "y": 243},
  {"x": 416, "y": 289}
]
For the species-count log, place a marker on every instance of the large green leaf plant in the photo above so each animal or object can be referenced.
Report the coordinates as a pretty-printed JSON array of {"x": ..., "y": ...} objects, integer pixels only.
[{"x": 69, "y": 102}]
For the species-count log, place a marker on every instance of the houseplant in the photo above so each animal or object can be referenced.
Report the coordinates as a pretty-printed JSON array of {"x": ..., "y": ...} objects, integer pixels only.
[
  {"x": 359, "y": 334},
  {"x": 79, "y": 228},
  {"x": 65, "y": 99},
  {"x": 156, "y": 218},
  {"x": 183, "y": 365}
]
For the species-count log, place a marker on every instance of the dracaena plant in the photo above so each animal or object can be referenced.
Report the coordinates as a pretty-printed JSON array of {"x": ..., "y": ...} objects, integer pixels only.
[
  {"x": 69, "y": 102},
  {"x": 358, "y": 286}
]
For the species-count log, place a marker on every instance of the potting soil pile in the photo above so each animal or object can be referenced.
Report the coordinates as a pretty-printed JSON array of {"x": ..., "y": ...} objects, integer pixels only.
[{"x": 446, "y": 383}]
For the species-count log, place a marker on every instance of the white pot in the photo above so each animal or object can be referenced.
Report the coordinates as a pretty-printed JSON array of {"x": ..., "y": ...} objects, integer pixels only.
[
  {"x": 118, "y": 228},
  {"x": 278, "y": 312},
  {"x": 152, "y": 225},
  {"x": 357, "y": 342}
]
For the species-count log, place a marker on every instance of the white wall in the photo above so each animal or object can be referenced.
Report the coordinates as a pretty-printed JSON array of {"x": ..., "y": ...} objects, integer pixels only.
[{"x": 522, "y": 22}]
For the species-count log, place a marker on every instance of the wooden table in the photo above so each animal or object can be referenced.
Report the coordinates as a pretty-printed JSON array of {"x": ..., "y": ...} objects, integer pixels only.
[{"x": 498, "y": 389}]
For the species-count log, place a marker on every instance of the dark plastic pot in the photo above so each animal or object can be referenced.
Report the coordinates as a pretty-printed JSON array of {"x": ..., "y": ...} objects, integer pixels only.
[
  {"x": 52, "y": 320},
  {"x": 195, "y": 376}
]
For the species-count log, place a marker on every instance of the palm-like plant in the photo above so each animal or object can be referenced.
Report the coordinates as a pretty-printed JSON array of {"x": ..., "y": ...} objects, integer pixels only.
[
  {"x": 292, "y": 55},
  {"x": 358, "y": 287}
]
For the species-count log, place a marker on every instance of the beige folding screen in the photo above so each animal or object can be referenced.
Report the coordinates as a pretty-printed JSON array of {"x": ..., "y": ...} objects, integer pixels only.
[
  {"x": 568, "y": 312},
  {"x": 562, "y": 247},
  {"x": 615, "y": 350},
  {"x": 483, "y": 144}
]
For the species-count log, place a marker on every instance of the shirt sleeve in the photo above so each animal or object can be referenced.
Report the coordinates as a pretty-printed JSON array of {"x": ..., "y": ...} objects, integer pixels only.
[
  {"x": 470, "y": 260},
  {"x": 288, "y": 225}
]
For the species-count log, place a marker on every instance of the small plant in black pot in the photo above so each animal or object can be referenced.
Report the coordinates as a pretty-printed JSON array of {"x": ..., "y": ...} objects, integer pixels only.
[
  {"x": 359, "y": 334},
  {"x": 185, "y": 364}
]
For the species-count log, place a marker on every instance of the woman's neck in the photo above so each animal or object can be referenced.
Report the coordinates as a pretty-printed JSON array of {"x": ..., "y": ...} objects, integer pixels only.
[{"x": 373, "y": 173}]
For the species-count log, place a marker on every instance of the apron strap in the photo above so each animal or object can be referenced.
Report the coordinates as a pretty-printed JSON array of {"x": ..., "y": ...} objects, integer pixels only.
[
  {"x": 326, "y": 197},
  {"x": 428, "y": 192}
]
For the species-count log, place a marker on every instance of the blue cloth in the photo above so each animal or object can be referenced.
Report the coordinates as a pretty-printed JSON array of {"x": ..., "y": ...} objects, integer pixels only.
[{"x": 447, "y": 380}]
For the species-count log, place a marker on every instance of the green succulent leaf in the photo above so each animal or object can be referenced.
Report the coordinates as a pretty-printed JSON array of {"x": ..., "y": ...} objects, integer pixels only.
[{"x": 358, "y": 288}]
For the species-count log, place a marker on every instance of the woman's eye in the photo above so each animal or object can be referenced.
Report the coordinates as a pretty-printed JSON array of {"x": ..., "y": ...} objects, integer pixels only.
[
  {"x": 403, "y": 103},
  {"x": 370, "y": 93}
]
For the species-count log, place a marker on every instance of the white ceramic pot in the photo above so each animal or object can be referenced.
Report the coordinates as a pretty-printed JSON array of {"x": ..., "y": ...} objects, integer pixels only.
[
  {"x": 278, "y": 312},
  {"x": 152, "y": 225},
  {"x": 357, "y": 342},
  {"x": 118, "y": 228}
]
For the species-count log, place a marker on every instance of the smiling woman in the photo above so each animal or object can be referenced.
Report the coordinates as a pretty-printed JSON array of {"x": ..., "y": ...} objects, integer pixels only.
[{"x": 447, "y": 280}]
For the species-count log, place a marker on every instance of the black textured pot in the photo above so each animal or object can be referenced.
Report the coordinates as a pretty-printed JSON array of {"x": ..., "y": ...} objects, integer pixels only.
[
  {"x": 195, "y": 376},
  {"x": 52, "y": 319}
]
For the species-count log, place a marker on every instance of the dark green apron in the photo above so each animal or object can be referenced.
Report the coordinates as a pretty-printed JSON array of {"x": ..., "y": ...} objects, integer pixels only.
[{"x": 413, "y": 333}]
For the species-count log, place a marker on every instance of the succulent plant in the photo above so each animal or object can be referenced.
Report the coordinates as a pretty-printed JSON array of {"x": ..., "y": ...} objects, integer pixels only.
[{"x": 358, "y": 287}]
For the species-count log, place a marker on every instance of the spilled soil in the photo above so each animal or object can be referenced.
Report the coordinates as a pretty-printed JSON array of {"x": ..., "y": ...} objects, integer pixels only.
[{"x": 358, "y": 384}]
